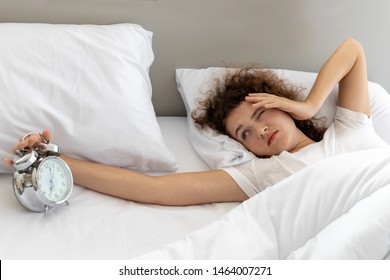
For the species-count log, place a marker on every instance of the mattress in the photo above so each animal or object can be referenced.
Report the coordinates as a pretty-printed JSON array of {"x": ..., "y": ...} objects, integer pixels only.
[{"x": 96, "y": 226}]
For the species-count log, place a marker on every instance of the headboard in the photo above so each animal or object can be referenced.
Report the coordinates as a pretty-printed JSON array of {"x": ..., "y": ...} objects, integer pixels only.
[{"x": 296, "y": 35}]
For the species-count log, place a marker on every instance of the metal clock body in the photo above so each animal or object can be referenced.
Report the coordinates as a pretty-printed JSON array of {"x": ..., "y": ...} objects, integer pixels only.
[{"x": 42, "y": 180}]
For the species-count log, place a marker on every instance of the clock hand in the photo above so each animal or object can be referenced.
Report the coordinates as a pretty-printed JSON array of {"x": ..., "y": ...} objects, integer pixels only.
[
  {"x": 51, "y": 179},
  {"x": 51, "y": 173}
]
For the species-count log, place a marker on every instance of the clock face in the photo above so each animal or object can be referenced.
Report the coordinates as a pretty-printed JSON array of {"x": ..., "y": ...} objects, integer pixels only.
[{"x": 54, "y": 179}]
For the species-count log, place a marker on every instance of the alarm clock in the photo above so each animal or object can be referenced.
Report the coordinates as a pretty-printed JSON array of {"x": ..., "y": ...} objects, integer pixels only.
[{"x": 42, "y": 180}]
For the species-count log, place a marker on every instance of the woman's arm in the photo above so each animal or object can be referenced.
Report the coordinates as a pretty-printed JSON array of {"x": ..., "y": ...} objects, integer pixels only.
[
  {"x": 346, "y": 66},
  {"x": 171, "y": 189}
]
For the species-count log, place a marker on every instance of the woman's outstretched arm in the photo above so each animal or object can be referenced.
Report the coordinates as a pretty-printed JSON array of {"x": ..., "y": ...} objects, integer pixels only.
[{"x": 172, "y": 189}]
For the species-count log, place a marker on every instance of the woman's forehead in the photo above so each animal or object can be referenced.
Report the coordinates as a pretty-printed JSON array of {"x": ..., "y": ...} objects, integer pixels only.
[
  {"x": 245, "y": 109},
  {"x": 238, "y": 115}
]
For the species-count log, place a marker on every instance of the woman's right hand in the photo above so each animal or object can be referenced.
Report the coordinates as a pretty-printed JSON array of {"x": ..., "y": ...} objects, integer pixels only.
[
  {"x": 299, "y": 110},
  {"x": 28, "y": 143}
]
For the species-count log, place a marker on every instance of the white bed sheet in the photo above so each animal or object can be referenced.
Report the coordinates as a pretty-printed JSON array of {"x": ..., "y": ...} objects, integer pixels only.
[{"x": 96, "y": 226}]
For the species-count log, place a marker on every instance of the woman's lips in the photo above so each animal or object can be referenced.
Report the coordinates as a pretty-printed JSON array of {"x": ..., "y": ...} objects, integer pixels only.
[{"x": 272, "y": 138}]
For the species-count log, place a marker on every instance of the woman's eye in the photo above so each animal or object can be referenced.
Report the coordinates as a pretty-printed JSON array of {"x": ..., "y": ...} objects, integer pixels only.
[{"x": 245, "y": 134}]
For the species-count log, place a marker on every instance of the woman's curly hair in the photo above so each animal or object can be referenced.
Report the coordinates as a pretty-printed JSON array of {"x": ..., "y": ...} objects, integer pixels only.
[{"x": 231, "y": 89}]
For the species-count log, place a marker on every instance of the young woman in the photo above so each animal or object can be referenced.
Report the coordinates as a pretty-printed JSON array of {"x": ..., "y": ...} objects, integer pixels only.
[{"x": 267, "y": 121}]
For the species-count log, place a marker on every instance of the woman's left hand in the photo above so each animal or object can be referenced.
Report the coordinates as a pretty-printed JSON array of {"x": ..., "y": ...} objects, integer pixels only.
[
  {"x": 299, "y": 110},
  {"x": 30, "y": 142}
]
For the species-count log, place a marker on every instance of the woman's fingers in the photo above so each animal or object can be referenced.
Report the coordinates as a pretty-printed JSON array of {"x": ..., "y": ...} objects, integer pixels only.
[
  {"x": 300, "y": 110},
  {"x": 29, "y": 142},
  {"x": 46, "y": 135},
  {"x": 266, "y": 100},
  {"x": 32, "y": 141},
  {"x": 23, "y": 144},
  {"x": 8, "y": 161}
]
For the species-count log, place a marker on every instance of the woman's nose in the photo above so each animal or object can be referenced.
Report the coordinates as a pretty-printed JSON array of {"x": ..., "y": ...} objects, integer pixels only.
[{"x": 262, "y": 131}]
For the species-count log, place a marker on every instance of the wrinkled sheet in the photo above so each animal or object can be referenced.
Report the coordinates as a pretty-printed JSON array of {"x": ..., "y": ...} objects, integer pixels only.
[
  {"x": 96, "y": 226},
  {"x": 338, "y": 208}
]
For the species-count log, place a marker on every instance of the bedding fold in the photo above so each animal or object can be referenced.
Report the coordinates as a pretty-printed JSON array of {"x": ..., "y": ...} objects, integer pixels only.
[{"x": 337, "y": 208}]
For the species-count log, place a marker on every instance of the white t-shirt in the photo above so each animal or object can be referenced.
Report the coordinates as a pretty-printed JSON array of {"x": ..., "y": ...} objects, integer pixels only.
[{"x": 350, "y": 131}]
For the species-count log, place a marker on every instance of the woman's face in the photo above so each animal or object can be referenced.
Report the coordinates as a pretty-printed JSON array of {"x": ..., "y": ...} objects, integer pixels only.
[{"x": 264, "y": 132}]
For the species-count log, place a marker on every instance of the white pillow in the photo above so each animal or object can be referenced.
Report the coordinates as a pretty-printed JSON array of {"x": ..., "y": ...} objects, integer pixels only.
[
  {"x": 220, "y": 150},
  {"x": 89, "y": 85}
]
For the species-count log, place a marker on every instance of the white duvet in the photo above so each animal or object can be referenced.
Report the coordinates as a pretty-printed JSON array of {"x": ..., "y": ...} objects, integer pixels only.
[{"x": 338, "y": 208}]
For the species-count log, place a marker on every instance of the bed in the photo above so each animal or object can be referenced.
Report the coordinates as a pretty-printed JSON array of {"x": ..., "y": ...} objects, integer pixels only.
[
  {"x": 107, "y": 228},
  {"x": 61, "y": 73}
]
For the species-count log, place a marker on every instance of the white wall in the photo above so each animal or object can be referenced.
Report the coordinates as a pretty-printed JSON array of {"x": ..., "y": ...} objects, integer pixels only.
[{"x": 293, "y": 34}]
